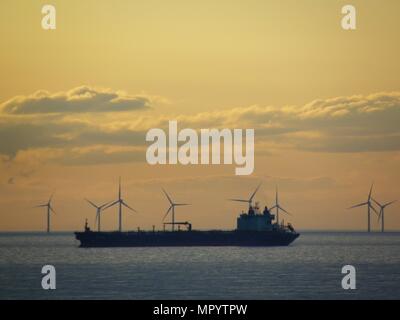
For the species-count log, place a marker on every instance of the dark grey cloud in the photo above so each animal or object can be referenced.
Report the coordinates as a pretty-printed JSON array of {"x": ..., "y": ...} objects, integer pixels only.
[
  {"x": 19, "y": 136},
  {"x": 79, "y": 100},
  {"x": 22, "y": 136},
  {"x": 16, "y": 136},
  {"x": 99, "y": 156},
  {"x": 344, "y": 124}
]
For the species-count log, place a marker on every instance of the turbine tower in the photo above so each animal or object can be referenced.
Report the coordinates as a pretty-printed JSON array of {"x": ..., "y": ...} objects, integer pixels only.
[
  {"x": 277, "y": 206},
  {"x": 121, "y": 203},
  {"x": 250, "y": 200},
  {"x": 98, "y": 212},
  {"x": 49, "y": 211},
  {"x": 172, "y": 207},
  {"x": 369, "y": 205},
  {"x": 382, "y": 212}
]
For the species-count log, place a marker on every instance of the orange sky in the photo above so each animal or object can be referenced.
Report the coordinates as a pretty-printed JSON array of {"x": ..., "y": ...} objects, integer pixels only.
[{"x": 76, "y": 102}]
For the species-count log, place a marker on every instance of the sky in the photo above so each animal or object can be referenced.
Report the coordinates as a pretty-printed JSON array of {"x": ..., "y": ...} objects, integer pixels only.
[{"x": 76, "y": 103}]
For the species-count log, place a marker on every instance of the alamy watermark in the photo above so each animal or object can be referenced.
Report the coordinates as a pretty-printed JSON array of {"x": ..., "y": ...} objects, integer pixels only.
[
  {"x": 49, "y": 17},
  {"x": 49, "y": 278},
  {"x": 349, "y": 280},
  {"x": 183, "y": 147},
  {"x": 348, "y": 21}
]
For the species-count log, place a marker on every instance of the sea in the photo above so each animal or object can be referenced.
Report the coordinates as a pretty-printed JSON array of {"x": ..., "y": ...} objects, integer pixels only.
[{"x": 310, "y": 268}]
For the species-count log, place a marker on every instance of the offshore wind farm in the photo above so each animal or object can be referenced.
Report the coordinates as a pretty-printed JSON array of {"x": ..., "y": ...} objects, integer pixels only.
[{"x": 372, "y": 206}]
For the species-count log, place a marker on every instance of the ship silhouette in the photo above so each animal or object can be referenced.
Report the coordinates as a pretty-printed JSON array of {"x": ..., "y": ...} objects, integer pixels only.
[{"x": 254, "y": 228}]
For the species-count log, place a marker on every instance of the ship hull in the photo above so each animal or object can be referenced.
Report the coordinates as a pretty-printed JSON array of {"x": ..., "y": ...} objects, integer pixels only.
[{"x": 185, "y": 238}]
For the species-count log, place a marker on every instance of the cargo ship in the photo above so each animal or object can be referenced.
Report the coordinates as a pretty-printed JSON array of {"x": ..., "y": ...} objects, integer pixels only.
[{"x": 253, "y": 229}]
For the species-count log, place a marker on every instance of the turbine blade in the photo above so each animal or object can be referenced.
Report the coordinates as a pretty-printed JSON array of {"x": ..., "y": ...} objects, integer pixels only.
[
  {"x": 111, "y": 204},
  {"x": 254, "y": 193},
  {"x": 284, "y": 210},
  {"x": 40, "y": 205},
  {"x": 389, "y": 203},
  {"x": 166, "y": 214},
  {"x": 92, "y": 203},
  {"x": 51, "y": 209},
  {"x": 239, "y": 200},
  {"x": 182, "y": 204},
  {"x": 123, "y": 203},
  {"x": 359, "y": 205},
  {"x": 373, "y": 208},
  {"x": 376, "y": 202},
  {"x": 380, "y": 215},
  {"x": 119, "y": 188},
  {"x": 169, "y": 199},
  {"x": 370, "y": 191},
  {"x": 51, "y": 197},
  {"x": 103, "y": 205}
]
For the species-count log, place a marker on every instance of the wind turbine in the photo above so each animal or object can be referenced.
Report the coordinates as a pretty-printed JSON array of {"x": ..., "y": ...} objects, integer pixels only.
[
  {"x": 369, "y": 205},
  {"x": 49, "y": 210},
  {"x": 382, "y": 212},
  {"x": 98, "y": 212},
  {"x": 172, "y": 207},
  {"x": 277, "y": 206},
  {"x": 121, "y": 203},
  {"x": 250, "y": 200}
]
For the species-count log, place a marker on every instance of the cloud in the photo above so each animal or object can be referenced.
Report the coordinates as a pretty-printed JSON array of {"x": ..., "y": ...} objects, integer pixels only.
[
  {"x": 341, "y": 124},
  {"x": 97, "y": 154},
  {"x": 78, "y": 100}
]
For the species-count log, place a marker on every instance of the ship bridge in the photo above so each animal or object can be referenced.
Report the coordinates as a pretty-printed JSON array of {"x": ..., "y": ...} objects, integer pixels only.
[{"x": 254, "y": 220}]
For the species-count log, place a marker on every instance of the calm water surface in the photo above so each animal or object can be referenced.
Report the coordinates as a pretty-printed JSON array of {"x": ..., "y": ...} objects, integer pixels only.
[{"x": 308, "y": 269}]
